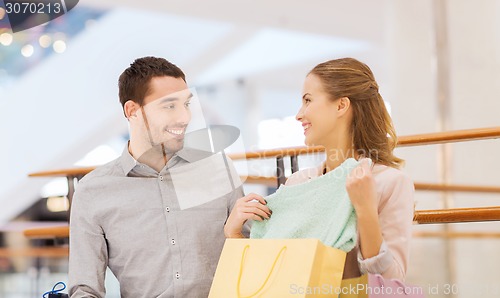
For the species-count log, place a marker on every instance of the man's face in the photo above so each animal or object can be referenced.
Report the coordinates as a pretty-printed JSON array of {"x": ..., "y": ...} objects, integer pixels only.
[{"x": 166, "y": 113}]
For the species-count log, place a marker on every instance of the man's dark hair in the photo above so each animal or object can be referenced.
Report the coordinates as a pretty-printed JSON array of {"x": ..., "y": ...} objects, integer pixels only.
[{"x": 133, "y": 83}]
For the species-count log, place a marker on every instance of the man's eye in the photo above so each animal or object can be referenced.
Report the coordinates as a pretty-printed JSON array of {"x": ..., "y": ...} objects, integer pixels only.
[
  {"x": 307, "y": 100},
  {"x": 169, "y": 107},
  {"x": 188, "y": 104}
]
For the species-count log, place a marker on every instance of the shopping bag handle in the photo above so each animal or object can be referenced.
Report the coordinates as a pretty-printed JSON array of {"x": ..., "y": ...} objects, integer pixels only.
[{"x": 281, "y": 252}]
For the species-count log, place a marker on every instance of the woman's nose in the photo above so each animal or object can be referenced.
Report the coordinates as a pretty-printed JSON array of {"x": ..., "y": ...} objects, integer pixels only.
[{"x": 299, "y": 115}]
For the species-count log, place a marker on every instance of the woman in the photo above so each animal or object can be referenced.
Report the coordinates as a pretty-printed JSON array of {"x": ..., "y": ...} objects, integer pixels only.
[{"x": 343, "y": 111}]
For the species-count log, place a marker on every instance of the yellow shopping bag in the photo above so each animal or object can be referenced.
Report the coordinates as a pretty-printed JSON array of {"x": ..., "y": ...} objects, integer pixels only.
[
  {"x": 278, "y": 268},
  {"x": 354, "y": 287}
]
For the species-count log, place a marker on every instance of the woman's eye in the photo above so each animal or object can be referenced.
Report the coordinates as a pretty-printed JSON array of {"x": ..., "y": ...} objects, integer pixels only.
[{"x": 307, "y": 100}]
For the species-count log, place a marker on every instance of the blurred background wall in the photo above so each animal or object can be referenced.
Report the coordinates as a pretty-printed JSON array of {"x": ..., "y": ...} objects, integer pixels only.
[{"x": 437, "y": 64}]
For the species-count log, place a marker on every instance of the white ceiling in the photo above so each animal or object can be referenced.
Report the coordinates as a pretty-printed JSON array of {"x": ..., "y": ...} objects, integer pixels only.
[{"x": 263, "y": 35}]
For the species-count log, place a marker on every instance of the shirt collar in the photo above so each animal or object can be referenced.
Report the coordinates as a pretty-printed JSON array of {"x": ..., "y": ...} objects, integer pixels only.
[
  {"x": 192, "y": 155},
  {"x": 128, "y": 162}
]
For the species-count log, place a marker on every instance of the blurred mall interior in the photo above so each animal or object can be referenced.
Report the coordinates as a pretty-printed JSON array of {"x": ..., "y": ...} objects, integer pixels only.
[{"x": 437, "y": 63}]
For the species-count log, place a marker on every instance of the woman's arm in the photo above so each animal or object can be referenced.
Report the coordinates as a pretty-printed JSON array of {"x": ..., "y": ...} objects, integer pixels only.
[
  {"x": 362, "y": 191},
  {"x": 384, "y": 239}
]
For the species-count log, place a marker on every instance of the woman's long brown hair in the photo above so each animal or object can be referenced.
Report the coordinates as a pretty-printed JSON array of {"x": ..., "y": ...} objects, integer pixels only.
[{"x": 372, "y": 131}]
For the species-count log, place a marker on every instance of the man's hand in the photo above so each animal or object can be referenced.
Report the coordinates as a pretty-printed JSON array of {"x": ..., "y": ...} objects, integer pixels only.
[{"x": 251, "y": 206}]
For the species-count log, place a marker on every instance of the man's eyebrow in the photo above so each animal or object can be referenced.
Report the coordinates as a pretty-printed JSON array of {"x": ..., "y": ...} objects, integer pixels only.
[{"x": 170, "y": 99}]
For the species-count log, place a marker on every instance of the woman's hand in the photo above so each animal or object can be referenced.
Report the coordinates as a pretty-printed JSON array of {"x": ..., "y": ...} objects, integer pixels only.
[
  {"x": 251, "y": 206},
  {"x": 360, "y": 186}
]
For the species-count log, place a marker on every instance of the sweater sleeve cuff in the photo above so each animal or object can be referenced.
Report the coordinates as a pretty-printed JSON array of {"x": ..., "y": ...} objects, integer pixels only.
[{"x": 377, "y": 264}]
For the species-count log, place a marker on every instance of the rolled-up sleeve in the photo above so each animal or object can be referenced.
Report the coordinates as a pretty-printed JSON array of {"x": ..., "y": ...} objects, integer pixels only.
[
  {"x": 376, "y": 264},
  {"x": 88, "y": 255}
]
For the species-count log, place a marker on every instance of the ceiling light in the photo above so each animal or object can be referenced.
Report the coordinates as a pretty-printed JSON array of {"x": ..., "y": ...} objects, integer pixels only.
[
  {"x": 59, "y": 46},
  {"x": 6, "y": 39},
  {"x": 27, "y": 50},
  {"x": 45, "y": 41}
]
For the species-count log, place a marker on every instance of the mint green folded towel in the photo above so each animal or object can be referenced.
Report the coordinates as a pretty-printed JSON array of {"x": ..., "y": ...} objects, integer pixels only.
[{"x": 319, "y": 208}]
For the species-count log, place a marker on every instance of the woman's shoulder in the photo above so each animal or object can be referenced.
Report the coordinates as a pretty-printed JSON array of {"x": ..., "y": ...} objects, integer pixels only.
[
  {"x": 385, "y": 176},
  {"x": 303, "y": 176},
  {"x": 393, "y": 184},
  {"x": 388, "y": 175}
]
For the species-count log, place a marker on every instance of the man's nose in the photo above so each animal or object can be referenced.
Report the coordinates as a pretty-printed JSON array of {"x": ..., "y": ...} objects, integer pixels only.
[{"x": 184, "y": 115}]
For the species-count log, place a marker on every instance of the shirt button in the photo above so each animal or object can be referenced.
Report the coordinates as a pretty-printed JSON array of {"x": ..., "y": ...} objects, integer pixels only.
[
  {"x": 173, "y": 241},
  {"x": 177, "y": 275},
  {"x": 161, "y": 178},
  {"x": 168, "y": 209}
]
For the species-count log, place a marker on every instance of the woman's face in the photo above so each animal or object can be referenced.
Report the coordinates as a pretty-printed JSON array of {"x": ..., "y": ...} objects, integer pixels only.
[{"x": 318, "y": 113}]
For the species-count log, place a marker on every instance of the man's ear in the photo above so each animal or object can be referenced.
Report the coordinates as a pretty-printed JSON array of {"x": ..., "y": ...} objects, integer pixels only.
[
  {"x": 343, "y": 105},
  {"x": 130, "y": 109}
]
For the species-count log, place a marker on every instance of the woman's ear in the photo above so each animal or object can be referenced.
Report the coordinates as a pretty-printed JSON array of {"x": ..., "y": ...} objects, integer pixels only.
[
  {"x": 343, "y": 105},
  {"x": 130, "y": 108}
]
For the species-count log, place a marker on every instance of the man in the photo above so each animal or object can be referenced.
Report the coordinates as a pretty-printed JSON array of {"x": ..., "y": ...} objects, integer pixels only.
[{"x": 131, "y": 214}]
